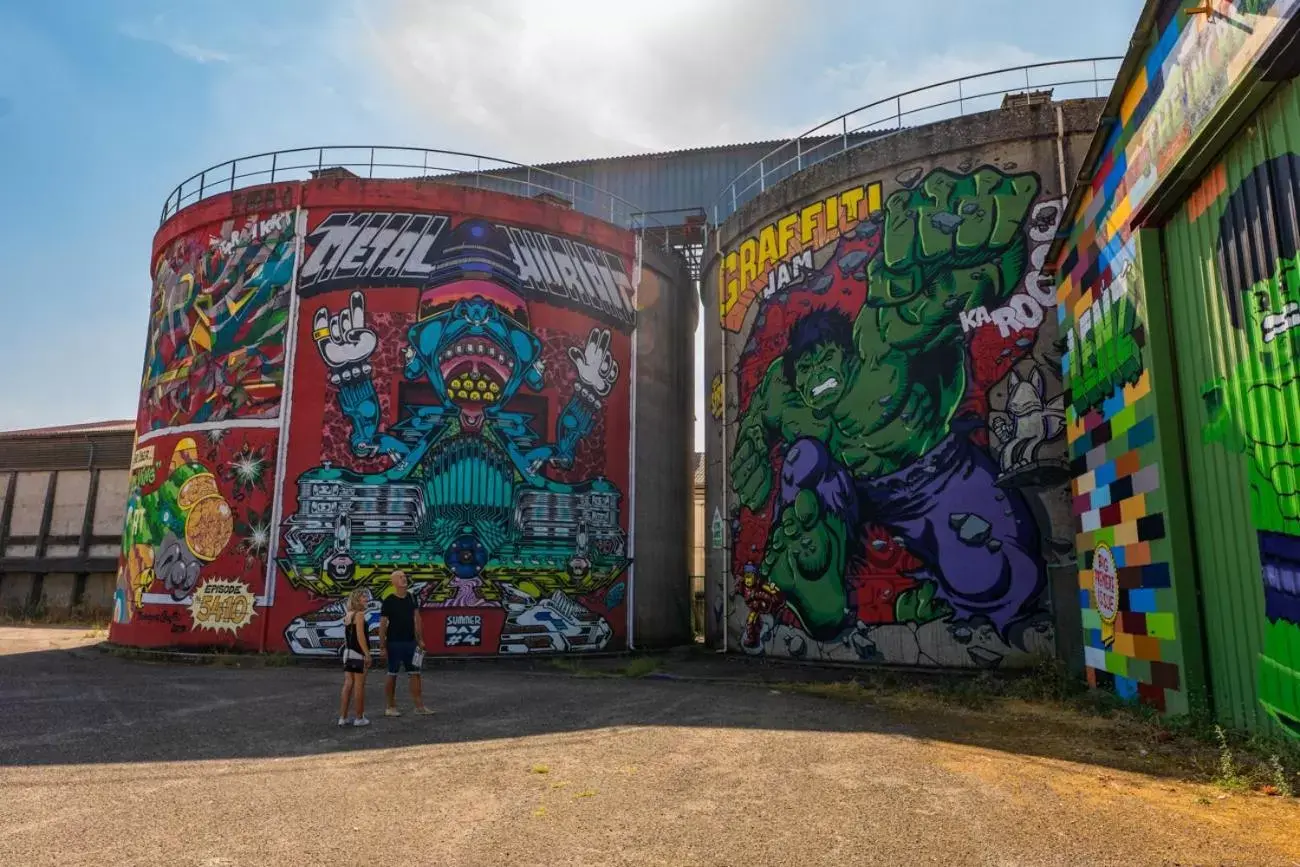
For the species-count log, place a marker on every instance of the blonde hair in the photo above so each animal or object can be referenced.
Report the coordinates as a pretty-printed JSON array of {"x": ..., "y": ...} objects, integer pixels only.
[{"x": 357, "y": 600}]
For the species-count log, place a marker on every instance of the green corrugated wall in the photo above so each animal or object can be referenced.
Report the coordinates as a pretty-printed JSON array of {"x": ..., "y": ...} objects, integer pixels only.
[{"x": 1234, "y": 303}]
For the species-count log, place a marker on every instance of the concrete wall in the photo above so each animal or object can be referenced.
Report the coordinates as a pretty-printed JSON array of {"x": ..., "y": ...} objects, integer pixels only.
[
  {"x": 51, "y": 566},
  {"x": 950, "y": 373},
  {"x": 664, "y": 473},
  {"x": 16, "y": 592},
  {"x": 29, "y": 506}
]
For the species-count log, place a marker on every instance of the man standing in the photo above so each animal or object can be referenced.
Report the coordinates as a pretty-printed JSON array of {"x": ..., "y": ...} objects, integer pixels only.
[{"x": 400, "y": 635}]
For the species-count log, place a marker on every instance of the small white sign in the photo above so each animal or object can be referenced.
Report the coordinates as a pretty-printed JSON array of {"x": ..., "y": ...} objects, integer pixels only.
[
  {"x": 719, "y": 528},
  {"x": 1105, "y": 583}
]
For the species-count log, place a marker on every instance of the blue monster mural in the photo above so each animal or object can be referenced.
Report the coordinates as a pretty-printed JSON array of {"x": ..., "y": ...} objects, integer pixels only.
[{"x": 475, "y": 497}]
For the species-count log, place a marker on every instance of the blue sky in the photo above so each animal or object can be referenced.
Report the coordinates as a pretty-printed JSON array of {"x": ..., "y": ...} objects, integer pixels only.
[{"x": 105, "y": 106}]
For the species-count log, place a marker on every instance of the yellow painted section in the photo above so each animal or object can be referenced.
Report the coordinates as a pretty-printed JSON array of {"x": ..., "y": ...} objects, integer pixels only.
[
  {"x": 1136, "y": 90},
  {"x": 1138, "y": 390},
  {"x": 1119, "y": 215},
  {"x": 1124, "y": 644},
  {"x": 1133, "y": 508}
]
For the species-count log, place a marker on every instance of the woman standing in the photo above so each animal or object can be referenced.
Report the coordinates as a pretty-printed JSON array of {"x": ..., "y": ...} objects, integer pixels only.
[{"x": 356, "y": 660}]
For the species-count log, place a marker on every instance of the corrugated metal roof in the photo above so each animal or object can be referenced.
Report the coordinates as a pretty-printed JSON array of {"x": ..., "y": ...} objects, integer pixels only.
[
  {"x": 677, "y": 181},
  {"x": 667, "y": 181},
  {"x": 761, "y": 146},
  {"x": 72, "y": 430},
  {"x": 107, "y": 450}
]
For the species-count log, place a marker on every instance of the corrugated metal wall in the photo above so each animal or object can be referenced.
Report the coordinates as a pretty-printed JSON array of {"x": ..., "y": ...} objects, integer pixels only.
[
  {"x": 1235, "y": 306},
  {"x": 688, "y": 179}
]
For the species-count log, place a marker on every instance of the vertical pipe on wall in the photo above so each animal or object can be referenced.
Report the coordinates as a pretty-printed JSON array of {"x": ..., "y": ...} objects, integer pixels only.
[
  {"x": 724, "y": 487},
  {"x": 631, "y": 477},
  {"x": 282, "y": 445},
  {"x": 1064, "y": 189}
]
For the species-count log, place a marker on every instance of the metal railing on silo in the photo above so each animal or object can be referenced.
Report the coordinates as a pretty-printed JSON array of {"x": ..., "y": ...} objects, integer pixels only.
[
  {"x": 943, "y": 100},
  {"x": 373, "y": 162}
]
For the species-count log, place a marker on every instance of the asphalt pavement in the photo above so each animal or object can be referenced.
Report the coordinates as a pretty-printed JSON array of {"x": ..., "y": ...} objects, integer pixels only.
[{"x": 114, "y": 761}]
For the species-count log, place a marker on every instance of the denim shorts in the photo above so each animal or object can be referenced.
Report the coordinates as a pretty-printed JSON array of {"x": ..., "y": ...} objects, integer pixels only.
[{"x": 401, "y": 654}]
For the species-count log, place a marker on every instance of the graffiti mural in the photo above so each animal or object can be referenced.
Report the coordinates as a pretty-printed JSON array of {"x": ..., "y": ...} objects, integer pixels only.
[
  {"x": 461, "y": 411},
  {"x": 217, "y": 324},
  {"x": 900, "y": 423},
  {"x": 196, "y": 532},
  {"x": 1251, "y": 410}
]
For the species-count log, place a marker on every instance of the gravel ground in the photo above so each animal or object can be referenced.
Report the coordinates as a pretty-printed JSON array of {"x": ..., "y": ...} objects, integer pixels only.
[{"x": 112, "y": 761}]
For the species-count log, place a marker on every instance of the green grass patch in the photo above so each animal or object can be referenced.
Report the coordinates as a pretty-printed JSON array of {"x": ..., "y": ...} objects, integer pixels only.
[{"x": 1057, "y": 714}]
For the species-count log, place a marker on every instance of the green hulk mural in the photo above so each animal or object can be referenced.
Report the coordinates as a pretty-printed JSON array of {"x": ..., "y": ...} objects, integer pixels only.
[
  {"x": 1256, "y": 410},
  {"x": 861, "y": 414}
]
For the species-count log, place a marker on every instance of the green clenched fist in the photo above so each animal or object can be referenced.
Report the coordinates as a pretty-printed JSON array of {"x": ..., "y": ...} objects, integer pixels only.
[
  {"x": 953, "y": 234},
  {"x": 751, "y": 471}
]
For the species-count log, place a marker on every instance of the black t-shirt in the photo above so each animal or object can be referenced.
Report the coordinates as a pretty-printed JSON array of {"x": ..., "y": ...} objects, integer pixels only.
[{"x": 400, "y": 611}]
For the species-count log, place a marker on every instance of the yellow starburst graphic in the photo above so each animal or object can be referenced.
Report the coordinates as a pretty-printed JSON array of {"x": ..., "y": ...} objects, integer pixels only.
[{"x": 221, "y": 603}]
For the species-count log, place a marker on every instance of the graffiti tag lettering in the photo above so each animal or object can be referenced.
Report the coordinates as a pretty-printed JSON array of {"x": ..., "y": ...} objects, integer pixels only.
[
  {"x": 1104, "y": 350},
  {"x": 765, "y": 262}
]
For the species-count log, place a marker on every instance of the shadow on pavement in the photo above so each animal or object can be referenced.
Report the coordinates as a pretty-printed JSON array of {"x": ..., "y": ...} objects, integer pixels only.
[{"x": 75, "y": 706}]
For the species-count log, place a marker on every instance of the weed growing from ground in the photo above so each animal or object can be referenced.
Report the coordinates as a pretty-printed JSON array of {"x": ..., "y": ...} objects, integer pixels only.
[
  {"x": 1281, "y": 780},
  {"x": 1229, "y": 776}
]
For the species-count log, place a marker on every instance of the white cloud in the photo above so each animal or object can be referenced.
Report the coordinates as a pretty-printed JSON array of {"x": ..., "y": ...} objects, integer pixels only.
[
  {"x": 561, "y": 80},
  {"x": 159, "y": 32}
]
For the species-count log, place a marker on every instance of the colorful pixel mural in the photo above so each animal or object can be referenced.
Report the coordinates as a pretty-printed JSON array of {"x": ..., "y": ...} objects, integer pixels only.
[
  {"x": 900, "y": 424},
  {"x": 1131, "y": 637},
  {"x": 1137, "y": 590}
]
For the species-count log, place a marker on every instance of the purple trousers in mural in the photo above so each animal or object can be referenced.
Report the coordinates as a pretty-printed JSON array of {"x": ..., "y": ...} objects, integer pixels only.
[
  {"x": 1279, "y": 556},
  {"x": 978, "y": 542}
]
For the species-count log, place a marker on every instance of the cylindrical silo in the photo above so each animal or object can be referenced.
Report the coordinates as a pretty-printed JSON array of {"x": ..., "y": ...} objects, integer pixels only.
[
  {"x": 887, "y": 463},
  {"x": 347, "y": 377}
]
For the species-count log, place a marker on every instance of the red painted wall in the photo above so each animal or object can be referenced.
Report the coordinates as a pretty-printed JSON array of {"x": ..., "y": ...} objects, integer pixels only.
[
  {"x": 459, "y": 389},
  {"x": 200, "y": 506}
]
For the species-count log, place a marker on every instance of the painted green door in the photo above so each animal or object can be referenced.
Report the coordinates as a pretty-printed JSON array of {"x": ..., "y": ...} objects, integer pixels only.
[{"x": 1234, "y": 290}]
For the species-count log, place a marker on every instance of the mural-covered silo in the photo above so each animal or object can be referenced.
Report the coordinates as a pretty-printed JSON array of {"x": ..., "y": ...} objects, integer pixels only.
[
  {"x": 887, "y": 467},
  {"x": 350, "y": 377}
]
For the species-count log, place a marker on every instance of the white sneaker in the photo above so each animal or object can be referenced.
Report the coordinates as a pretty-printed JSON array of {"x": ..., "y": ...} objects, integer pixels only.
[
  {"x": 345, "y": 722},
  {"x": 423, "y": 711},
  {"x": 392, "y": 711},
  {"x": 361, "y": 721}
]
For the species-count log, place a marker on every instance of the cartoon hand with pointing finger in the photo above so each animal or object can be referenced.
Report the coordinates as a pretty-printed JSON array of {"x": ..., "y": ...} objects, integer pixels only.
[
  {"x": 595, "y": 363},
  {"x": 344, "y": 341}
]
